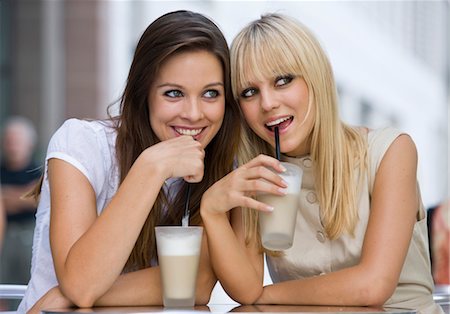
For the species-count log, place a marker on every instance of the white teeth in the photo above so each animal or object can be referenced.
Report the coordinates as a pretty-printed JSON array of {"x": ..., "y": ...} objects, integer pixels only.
[
  {"x": 190, "y": 132},
  {"x": 277, "y": 121}
]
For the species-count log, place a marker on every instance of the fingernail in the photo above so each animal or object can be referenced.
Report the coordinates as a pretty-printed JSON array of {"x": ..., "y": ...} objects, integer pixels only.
[
  {"x": 269, "y": 208},
  {"x": 282, "y": 168},
  {"x": 284, "y": 183},
  {"x": 284, "y": 191}
]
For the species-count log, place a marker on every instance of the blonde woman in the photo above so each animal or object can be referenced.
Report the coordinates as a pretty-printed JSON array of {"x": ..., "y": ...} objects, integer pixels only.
[{"x": 361, "y": 237}]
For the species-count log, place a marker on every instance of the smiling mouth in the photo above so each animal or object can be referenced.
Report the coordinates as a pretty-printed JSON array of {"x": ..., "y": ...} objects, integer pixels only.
[
  {"x": 189, "y": 132},
  {"x": 280, "y": 123}
]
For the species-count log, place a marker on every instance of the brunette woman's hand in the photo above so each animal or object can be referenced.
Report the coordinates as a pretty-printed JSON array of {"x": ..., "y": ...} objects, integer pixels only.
[
  {"x": 51, "y": 300},
  {"x": 237, "y": 188},
  {"x": 178, "y": 157}
]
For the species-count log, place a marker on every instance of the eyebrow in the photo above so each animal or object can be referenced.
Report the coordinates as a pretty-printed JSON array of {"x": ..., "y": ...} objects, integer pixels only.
[{"x": 181, "y": 87}]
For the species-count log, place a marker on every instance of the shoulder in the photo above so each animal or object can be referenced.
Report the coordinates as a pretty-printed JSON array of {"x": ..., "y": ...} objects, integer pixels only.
[
  {"x": 88, "y": 146},
  {"x": 82, "y": 141},
  {"x": 401, "y": 150},
  {"x": 84, "y": 126},
  {"x": 386, "y": 134},
  {"x": 388, "y": 138},
  {"x": 74, "y": 131},
  {"x": 389, "y": 145}
]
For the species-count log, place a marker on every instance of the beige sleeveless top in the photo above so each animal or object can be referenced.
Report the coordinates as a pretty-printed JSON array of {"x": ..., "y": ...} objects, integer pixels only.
[{"x": 314, "y": 254}]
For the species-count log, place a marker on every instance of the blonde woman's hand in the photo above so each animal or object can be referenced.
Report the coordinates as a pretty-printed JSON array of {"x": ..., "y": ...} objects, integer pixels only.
[
  {"x": 51, "y": 300},
  {"x": 178, "y": 157},
  {"x": 237, "y": 188}
]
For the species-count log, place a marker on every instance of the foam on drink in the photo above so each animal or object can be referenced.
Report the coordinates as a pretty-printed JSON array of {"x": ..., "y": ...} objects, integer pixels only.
[{"x": 174, "y": 245}]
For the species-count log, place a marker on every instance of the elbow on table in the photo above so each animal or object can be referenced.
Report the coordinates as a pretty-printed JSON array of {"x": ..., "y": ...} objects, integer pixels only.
[
  {"x": 376, "y": 293},
  {"x": 248, "y": 297},
  {"x": 205, "y": 286},
  {"x": 82, "y": 297},
  {"x": 82, "y": 300},
  {"x": 203, "y": 295}
]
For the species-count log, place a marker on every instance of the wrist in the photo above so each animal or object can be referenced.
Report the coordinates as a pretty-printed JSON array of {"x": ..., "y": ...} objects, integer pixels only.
[
  {"x": 153, "y": 168},
  {"x": 208, "y": 209}
]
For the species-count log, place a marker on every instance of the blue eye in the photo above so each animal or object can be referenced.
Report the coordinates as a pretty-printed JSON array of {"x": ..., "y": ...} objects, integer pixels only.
[
  {"x": 248, "y": 92},
  {"x": 173, "y": 93},
  {"x": 211, "y": 93},
  {"x": 283, "y": 80}
]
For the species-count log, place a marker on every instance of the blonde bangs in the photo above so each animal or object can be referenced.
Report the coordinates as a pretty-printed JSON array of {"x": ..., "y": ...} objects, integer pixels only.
[{"x": 259, "y": 55}]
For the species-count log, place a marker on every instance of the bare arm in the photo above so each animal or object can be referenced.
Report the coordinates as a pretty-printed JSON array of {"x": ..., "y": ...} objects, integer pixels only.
[
  {"x": 389, "y": 231},
  {"x": 238, "y": 267},
  {"x": 139, "y": 288},
  {"x": 90, "y": 252},
  {"x": 143, "y": 287}
]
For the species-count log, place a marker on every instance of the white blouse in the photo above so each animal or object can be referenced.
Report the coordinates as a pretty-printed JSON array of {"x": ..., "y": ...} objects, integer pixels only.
[{"x": 89, "y": 146}]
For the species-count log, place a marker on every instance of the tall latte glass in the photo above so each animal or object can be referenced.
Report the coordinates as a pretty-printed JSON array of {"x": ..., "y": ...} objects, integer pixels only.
[
  {"x": 277, "y": 227},
  {"x": 178, "y": 255}
]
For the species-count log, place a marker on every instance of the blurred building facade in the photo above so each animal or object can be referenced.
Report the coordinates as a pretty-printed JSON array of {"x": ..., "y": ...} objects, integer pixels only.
[{"x": 62, "y": 59}]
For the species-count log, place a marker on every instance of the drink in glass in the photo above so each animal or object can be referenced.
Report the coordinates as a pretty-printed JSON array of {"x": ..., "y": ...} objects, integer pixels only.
[
  {"x": 178, "y": 255},
  {"x": 277, "y": 227}
]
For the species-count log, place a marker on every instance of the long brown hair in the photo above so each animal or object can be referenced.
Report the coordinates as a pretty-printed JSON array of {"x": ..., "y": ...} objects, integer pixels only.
[{"x": 172, "y": 33}]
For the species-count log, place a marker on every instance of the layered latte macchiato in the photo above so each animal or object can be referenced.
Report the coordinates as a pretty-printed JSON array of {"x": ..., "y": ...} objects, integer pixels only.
[{"x": 178, "y": 256}]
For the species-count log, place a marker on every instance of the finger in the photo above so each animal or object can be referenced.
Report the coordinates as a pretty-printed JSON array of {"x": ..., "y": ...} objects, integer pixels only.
[
  {"x": 262, "y": 186},
  {"x": 185, "y": 141},
  {"x": 192, "y": 141},
  {"x": 194, "y": 147},
  {"x": 195, "y": 172},
  {"x": 261, "y": 172},
  {"x": 249, "y": 202},
  {"x": 267, "y": 161},
  {"x": 193, "y": 178}
]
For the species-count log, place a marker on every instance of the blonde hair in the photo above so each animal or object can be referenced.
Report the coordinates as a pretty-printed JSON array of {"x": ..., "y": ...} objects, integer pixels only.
[{"x": 276, "y": 45}]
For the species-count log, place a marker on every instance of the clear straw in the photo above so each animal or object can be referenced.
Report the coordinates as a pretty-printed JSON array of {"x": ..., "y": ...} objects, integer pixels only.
[
  {"x": 185, "y": 220},
  {"x": 277, "y": 143}
]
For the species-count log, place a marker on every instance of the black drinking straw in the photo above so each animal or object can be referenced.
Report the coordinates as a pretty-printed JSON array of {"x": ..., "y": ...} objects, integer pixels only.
[
  {"x": 277, "y": 143},
  {"x": 186, "y": 204}
]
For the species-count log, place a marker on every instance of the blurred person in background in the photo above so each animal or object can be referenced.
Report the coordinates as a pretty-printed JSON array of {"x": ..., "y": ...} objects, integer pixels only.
[
  {"x": 440, "y": 243},
  {"x": 2, "y": 220},
  {"x": 19, "y": 173},
  {"x": 3, "y": 303}
]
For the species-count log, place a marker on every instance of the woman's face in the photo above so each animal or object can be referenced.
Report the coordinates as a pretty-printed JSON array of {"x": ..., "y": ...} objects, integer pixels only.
[
  {"x": 188, "y": 97},
  {"x": 282, "y": 101}
]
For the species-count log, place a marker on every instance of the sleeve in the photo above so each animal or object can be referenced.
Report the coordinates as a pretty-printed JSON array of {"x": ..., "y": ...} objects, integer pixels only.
[
  {"x": 79, "y": 143},
  {"x": 379, "y": 141}
]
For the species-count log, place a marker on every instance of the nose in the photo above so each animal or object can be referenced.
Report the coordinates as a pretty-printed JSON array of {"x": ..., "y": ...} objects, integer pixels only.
[
  {"x": 192, "y": 109},
  {"x": 268, "y": 100}
]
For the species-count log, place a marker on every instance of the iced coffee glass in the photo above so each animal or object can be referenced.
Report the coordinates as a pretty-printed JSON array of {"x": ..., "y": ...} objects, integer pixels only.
[
  {"x": 277, "y": 227},
  {"x": 178, "y": 255}
]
